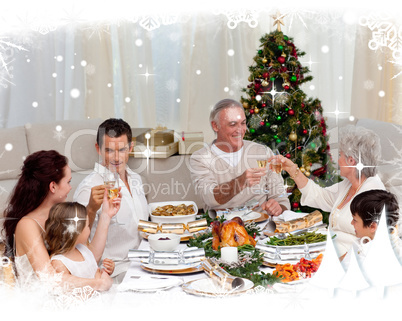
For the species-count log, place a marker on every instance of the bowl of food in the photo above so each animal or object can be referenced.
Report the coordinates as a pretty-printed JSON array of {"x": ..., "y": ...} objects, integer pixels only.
[
  {"x": 163, "y": 242},
  {"x": 173, "y": 212}
]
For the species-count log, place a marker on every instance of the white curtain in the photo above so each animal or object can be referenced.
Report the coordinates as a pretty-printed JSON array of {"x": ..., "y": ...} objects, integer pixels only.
[{"x": 169, "y": 69}]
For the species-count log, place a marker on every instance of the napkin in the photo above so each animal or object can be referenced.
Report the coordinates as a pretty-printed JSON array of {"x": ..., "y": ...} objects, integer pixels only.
[
  {"x": 148, "y": 283},
  {"x": 290, "y": 215},
  {"x": 210, "y": 286}
]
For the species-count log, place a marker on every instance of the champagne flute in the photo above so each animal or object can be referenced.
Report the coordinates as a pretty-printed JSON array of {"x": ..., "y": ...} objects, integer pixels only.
[
  {"x": 111, "y": 180},
  {"x": 262, "y": 163},
  {"x": 276, "y": 164}
]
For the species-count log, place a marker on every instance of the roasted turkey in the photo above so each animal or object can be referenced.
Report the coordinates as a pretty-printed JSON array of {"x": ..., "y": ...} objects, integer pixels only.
[{"x": 230, "y": 233}]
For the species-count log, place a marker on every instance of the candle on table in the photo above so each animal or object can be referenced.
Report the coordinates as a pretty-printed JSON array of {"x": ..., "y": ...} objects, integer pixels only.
[{"x": 229, "y": 254}]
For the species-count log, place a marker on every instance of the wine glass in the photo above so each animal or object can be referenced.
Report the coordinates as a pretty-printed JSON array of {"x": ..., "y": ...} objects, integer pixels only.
[
  {"x": 262, "y": 163},
  {"x": 276, "y": 164},
  {"x": 111, "y": 180}
]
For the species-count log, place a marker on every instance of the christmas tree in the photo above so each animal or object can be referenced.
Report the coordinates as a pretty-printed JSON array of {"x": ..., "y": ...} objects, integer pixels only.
[{"x": 280, "y": 115}]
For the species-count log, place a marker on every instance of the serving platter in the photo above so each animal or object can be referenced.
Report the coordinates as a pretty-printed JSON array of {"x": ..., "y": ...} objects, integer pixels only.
[
  {"x": 272, "y": 261},
  {"x": 272, "y": 248},
  {"x": 206, "y": 287},
  {"x": 172, "y": 218}
]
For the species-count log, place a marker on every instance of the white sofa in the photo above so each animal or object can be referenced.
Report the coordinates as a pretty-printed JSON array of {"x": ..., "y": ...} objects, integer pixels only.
[
  {"x": 390, "y": 167},
  {"x": 164, "y": 179}
]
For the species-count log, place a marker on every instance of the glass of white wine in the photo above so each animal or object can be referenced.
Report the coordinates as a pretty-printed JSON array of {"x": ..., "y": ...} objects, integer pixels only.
[
  {"x": 111, "y": 181},
  {"x": 276, "y": 165},
  {"x": 262, "y": 163}
]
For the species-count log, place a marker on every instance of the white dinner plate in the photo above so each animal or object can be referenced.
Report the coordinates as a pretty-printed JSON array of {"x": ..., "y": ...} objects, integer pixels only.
[
  {"x": 170, "y": 267},
  {"x": 245, "y": 215},
  {"x": 208, "y": 287},
  {"x": 150, "y": 284}
]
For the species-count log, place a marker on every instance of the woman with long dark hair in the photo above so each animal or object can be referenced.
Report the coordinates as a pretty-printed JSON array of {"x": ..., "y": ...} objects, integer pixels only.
[{"x": 44, "y": 181}]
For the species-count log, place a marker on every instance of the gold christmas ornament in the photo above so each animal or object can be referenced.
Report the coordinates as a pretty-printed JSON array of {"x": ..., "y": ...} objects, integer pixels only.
[
  {"x": 264, "y": 83},
  {"x": 245, "y": 105},
  {"x": 307, "y": 174},
  {"x": 302, "y": 169},
  {"x": 308, "y": 168},
  {"x": 283, "y": 55},
  {"x": 256, "y": 110},
  {"x": 293, "y": 136},
  {"x": 264, "y": 60}
]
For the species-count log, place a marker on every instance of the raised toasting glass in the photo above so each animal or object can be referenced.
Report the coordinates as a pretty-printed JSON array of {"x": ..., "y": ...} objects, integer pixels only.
[
  {"x": 275, "y": 164},
  {"x": 111, "y": 181},
  {"x": 262, "y": 163}
]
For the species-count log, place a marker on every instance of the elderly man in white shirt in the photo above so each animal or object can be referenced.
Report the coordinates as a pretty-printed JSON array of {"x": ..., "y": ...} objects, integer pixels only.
[
  {"x": 113, "y": 144},
  {"x": 226, "y": 174}
]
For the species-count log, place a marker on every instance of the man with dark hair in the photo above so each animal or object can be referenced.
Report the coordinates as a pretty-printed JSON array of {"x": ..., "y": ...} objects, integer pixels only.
[{"x": 113, "y": 144}]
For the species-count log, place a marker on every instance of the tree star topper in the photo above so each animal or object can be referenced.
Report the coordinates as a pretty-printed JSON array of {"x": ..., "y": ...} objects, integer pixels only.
[{"x": 278, "y": 20}]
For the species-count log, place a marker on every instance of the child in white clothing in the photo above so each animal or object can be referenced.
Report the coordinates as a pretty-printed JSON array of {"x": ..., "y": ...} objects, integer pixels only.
[
  {"x": 67, "y": 232},
  {"x": 366, "y": 211}
]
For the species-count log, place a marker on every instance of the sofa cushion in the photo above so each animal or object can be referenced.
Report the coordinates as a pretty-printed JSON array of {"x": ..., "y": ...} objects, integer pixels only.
[
  {"x": 390, "y": 137},
  {"x": 72, "y": 138},
  {"x": 166, "y": 179},
  {"x": 13, "y": 150}
]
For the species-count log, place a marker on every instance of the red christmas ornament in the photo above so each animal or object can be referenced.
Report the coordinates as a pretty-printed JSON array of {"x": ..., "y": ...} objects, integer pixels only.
[
  {"x": 299, "y": 147},
  {"x": 281, "y": 59},
  {"x": 304, "y": 131},
  {"x": 286, "y": 87},
  {"x": 320, "y": 171},
  {"x": 262, "y": 123},
  {"x": 265, "y": 75},
  {"x": 295, "y": 204},
  {"x": 288, "y": 155},
  {"x": 264, "y": 105},
  {"x": 303, "y": 105},
  {"x": 291, "y": 112},
  {"x": 298, "y": 122},
  {"x": 251, "y": 111}
]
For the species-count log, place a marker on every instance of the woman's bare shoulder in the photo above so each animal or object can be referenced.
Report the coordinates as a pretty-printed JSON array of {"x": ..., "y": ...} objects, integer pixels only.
[{"x": 28, "y": 226}]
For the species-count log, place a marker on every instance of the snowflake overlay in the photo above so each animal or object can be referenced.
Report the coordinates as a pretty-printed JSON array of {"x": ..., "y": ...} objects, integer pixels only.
[
  {"x": 236, "y": 16},
  {"x": 384, "y": 34},
  {"x": 6, "y": 52}
]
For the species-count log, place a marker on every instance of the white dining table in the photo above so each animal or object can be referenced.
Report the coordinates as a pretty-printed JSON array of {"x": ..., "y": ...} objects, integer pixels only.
[
  {"x": 175, "y": 301},
  {"x": 135, "y": 270}
]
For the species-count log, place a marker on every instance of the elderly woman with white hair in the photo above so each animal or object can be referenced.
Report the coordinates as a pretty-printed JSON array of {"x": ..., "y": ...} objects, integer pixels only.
[{"x": 359, "y": 154}]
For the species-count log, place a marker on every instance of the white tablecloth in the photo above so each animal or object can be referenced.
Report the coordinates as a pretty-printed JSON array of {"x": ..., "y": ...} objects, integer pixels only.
[{"x": 136, "y": 270}]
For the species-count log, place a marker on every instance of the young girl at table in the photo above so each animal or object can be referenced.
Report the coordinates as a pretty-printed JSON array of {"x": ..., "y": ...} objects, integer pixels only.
[
  {"x": 366, "y": 211},
  {"x": 67, "y": 232}
]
